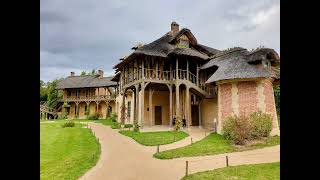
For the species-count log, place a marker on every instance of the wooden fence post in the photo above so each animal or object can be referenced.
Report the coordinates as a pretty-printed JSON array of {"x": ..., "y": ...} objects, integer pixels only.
[
  {"x": 227, "y": 161},
  {"x": 158, "y": 148},
  {"x": 187, "y": 167}
]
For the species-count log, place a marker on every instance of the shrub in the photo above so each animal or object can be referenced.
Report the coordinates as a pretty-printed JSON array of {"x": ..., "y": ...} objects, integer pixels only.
[
  {"x": 261, "y": 124},
  {"x": 237, "y": 129},
  {"x": 68, "y": 124},
  {"x": 178, "y": 124},
  {"x": 115, "y": 126},
  {"x": 94, "y": 116},
  {"x": 128, "y": 126},
  {"x": 113, "y": 117},
  {"x": 136, "y": 127}
]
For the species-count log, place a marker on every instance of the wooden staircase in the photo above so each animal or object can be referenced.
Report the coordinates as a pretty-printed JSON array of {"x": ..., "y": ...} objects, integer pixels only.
[{"x": 45, "y": 109}]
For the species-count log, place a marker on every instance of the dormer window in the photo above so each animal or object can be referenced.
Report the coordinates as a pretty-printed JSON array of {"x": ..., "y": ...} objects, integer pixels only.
[
  {"x": 183, "y": 44},
  {"x": 266, "y": 64}
]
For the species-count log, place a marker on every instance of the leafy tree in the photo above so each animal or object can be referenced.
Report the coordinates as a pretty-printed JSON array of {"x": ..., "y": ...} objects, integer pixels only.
[
  {"x": 83, "y": 73},
  {"x": 54, "y": 96},
  {"x": 43, "y": 91},
  {"x": 93, "y": 72}
]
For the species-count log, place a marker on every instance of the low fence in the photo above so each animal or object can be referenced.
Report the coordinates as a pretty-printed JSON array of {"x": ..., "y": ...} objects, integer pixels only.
[{"x": 218, "y": 160}]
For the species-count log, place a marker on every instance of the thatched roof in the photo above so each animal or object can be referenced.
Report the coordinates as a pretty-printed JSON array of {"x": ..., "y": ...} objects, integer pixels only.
[
  {"x": 237, "y": 62},
  {"x": 165, "y": 47},
  {"x": 85, "y": 81},
  {"x": 116, "y": 78}
]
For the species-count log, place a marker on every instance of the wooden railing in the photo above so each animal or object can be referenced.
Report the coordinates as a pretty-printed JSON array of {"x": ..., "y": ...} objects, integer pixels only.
[
  {"x": 90, "y": 98},
  {"x": 167, "y": 75}
]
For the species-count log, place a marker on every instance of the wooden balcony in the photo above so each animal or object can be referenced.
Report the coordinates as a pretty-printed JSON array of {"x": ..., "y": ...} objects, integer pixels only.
[
  {"x": 89, "y": 98},
  {"x": 152, "y": 74}
]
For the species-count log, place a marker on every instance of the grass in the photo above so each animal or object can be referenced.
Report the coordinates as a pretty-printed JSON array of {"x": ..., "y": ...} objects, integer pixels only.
[
  {"x": 66, "y": 153},
  {"x": 266, "y": 171},
  {"x": 155, "y": 138},
  {"x": 109, "y": 122},
  {"x": 210, "y": 145}
]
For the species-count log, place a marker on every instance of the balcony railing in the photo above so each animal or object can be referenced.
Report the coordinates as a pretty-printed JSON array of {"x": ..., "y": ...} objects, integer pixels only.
[
  {"x": 90, "y": 98},
  {"x": 154, "y": 74}
]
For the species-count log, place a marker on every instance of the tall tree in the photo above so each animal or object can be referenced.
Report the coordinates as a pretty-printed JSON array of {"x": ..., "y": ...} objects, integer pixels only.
[
  {"x": 43, "y": 91},
  {"x": 83, "y": 73},
  {"x": 54, "y": 96}
]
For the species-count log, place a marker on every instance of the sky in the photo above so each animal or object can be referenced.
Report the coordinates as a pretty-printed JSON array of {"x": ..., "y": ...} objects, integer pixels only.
[{"x": 81, "y": 35}]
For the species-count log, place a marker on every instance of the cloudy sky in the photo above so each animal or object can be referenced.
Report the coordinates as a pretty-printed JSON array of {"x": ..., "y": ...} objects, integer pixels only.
[{"x": 78, "y": 35}]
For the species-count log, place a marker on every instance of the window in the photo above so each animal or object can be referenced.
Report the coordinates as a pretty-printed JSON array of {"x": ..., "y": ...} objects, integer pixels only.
[
  {"x": 183, "y": 43},
  {"x": 68, "y": 94},
  {"x": 129, "y": 109},
  {"x": 266, "y": 64}
]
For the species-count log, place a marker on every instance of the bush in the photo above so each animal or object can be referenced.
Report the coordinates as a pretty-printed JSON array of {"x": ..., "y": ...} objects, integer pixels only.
[
  {"x": 68, "y": 124},
  {"x": 136, "y": 127},
  {"x": 128, "y": 126},
  {"x": 178, "y": 124},
  {"x": 240, "y": 128},
  {"x": 94, "y": 116},
  {"x": 237, "y": 129},
  {"x": 113, "y": 117},
  {"x": 261, "y": 124},
  {"x": 115, "y": 126}
]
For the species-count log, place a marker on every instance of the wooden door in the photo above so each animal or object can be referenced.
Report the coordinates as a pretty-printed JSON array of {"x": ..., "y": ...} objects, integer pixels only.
[
  {"x": 195, "y": 115},
  {"x": 157, "y": 115}
]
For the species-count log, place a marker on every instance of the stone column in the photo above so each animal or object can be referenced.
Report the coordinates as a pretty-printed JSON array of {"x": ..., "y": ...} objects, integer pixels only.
[
  {"x": 177, "y": 100},
  {"x": 142, "y": 104},
  {"x": 137, "y": 103},
  {"x": 150, "y": 107},
  {"x": 170, "y": 104},
  {"x": 122, "y": 112},
  {"x": 187, "y": 106}
]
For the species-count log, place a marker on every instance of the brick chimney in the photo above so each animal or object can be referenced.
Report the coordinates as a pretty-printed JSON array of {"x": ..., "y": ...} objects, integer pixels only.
[
  {"x": 72, "y": 74},
  {"x": 174, "y": 27},
  {"x": 100, "y": 73}
]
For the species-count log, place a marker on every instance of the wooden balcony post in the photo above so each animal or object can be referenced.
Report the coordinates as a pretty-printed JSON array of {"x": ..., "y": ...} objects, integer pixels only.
[
  {"x": 177, "y": 67},
  {"x": 187, "y": 69},
  {"x": 197, "y": 78},
  {"x": 170, "y": 72},
  {"x": 142, "y": 68}
]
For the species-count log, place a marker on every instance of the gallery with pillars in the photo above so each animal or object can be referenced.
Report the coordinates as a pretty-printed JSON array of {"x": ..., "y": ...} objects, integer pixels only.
[{"x": 175, "y": 76}]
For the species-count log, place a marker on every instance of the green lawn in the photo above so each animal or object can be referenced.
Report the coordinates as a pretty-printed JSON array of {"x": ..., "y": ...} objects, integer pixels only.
[
  {"x": 155, "y": 138},
  {"x": 66, "y": 153},
  {"x": 109, "y": 122},
  {"x": 210, "y": 145},
  {"x": 267, "y": 171}
]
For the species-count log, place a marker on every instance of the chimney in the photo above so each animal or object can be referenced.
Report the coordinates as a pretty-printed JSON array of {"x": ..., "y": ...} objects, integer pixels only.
[
  {"x": 174, "y": 27},
  {"x": 100, "y": 73},
  {"x": 72, "y": 74}
]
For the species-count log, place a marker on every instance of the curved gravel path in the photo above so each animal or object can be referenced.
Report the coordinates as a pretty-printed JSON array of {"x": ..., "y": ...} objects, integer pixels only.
[{"x": 124, "y": 159}]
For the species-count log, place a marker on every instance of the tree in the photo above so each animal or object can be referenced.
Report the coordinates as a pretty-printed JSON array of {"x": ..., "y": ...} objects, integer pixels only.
[
  {"x": 43, "y": 91},
  {"x": 83, "y": 73},
  {"x": 93, "y": 72},
  {"x": 54, "y": 96}
]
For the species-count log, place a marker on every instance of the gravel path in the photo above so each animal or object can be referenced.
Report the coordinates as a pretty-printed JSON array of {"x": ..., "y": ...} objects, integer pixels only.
[{"x": 124, "y": 159}]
